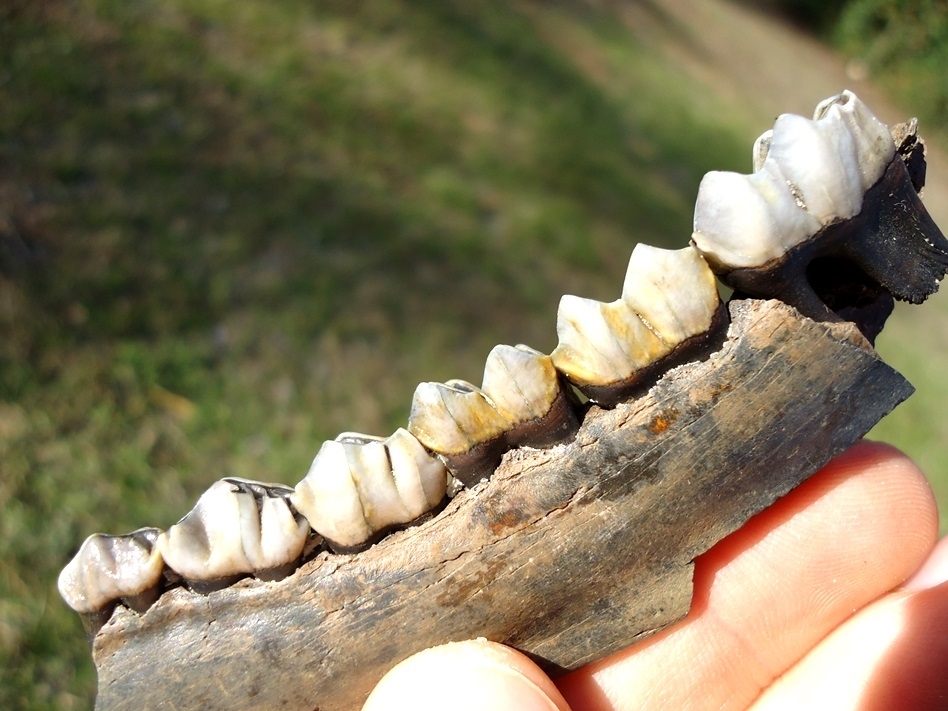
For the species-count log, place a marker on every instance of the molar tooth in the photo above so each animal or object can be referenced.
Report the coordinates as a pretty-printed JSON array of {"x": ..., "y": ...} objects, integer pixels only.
[
  {"x": 237, "y": 527},
  {"x": 360, "y": 486},
  {"x": 526, "y": 389},
  {"x": 110, "y": 568},
  {"x": 459, "y": 422},
  {"x": 669, "y": 309},
  {"x": 830, "y": 222}
]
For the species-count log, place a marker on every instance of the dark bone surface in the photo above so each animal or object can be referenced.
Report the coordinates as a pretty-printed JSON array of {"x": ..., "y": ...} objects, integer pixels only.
[{"x": 568, "y": 554}]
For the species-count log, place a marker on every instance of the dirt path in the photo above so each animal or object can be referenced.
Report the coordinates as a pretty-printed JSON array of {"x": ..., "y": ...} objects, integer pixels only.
[{"x": 764, "y": 67}]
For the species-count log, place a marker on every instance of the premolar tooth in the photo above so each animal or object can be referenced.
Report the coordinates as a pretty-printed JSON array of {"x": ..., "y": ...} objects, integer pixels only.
[
  {"x": 237, "y": 528},
  {"x": 110, "y": 568},
  {"x": 459, "y": 422},
  {"x": 526, "y": 389},
  {"x": 360, "y": 486},
  {"x": 669, "y": 308}
]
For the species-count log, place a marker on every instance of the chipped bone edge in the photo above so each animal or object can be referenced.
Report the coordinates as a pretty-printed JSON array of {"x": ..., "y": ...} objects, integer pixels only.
[{"x": 478, "y": 458}]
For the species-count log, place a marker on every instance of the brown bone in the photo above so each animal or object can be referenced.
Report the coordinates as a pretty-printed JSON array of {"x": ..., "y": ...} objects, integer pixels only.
[{"x": 568, "y": 554}]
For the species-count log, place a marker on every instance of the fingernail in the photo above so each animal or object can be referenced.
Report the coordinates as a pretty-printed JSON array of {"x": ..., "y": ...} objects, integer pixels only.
[{"x": 934, "y": 570}]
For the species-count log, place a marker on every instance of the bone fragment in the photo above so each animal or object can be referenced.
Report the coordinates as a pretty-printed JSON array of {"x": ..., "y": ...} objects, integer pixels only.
[{"x": 569, "y": 553}]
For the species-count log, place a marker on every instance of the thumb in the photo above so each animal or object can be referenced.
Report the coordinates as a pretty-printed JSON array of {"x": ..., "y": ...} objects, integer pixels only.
[{"x": 466, "y": 676}]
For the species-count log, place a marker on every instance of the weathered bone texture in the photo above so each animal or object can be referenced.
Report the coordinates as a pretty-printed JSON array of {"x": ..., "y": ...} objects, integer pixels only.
[{"x": 568, "y": 554}]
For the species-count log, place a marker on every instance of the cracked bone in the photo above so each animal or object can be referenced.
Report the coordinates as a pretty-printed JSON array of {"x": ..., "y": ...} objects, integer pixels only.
[
  {"x": 359, "y": 487},
  {"x": 238, "y": 527}
]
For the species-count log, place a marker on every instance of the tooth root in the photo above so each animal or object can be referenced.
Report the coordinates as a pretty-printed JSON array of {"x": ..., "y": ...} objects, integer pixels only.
[
  {"x": 111, "y": 568},
  {"x": 359, "y": 487},
  {"x": 526, "y": 389},
  {"x": 457, "y": 421},
  {"x": 237, "y": 528},
  {"x": 674, "y": 292}
]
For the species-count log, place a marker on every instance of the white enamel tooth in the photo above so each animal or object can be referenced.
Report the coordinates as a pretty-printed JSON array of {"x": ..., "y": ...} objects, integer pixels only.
[
  {"x": 819, "y": 161},
  {"x": 451, "y": 418},
  {"x": 600, "y": 344},
  {"x": 236, "y": 528},
  {"x": 420, "y": 477},
  {"x": 526, "y": 389},
  {"x": 748, "y": 220},
  {"x": 762, "y": 148},
  {"x": 110, "y": 568},
  {"x": 874, "y": 146},
  {"x": 360, "y": 486},
  {"x": 329, "y": 499},
  {"x": 521, "y": 382},
  {"x": 674, "y": 292}
]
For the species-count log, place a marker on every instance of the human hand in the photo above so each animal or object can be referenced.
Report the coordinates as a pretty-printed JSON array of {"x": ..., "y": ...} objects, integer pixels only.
[{"x": 833, "y": 598}]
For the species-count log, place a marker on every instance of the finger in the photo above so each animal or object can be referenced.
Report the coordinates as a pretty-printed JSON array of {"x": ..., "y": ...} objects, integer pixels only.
[
  {"x": 466, "y": 676},
  {"x": 891, "y": 654},
  {"x": 769, "y": 592}
]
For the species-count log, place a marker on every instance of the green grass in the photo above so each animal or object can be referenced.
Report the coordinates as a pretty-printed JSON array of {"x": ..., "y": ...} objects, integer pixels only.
[{"x": 230, "y": 230}]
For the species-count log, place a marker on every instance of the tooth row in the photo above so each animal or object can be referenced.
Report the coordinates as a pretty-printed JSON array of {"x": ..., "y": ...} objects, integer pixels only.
[
  {"x": 807, "y": 174},
  {"x": 669, "y": 298}
]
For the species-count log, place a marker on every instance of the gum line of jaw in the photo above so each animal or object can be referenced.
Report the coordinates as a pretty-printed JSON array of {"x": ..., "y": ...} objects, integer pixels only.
[{"x": 808, "y": 174}]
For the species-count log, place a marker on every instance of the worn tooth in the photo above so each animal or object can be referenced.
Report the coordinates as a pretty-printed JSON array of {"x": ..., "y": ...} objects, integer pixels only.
[
  {"x": 673, "y": 291},
  {"x": 830, "y": 221},
  {"x": 111, "y": 568},
  {"x": 459, "y": 422},
  {"x": 808, "y": 174},
  {"x": 669, "y": 309},
  {"x": 360, "y": 486},
  {"x": 237, "y": 527},
  {"x": 526, "y": 389}
]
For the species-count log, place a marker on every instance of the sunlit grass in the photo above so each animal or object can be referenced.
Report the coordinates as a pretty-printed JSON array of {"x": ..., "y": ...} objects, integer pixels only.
[{"x": 230, "y": 230}]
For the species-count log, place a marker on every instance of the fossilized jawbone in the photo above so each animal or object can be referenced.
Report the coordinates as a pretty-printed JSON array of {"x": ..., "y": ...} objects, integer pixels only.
[{"x": 829, "y": 222}]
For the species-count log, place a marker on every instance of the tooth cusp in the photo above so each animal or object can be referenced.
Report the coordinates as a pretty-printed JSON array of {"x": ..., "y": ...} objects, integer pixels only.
[
  {"x": 359, "y": 487},
  {"x": 237, "y": 528}
]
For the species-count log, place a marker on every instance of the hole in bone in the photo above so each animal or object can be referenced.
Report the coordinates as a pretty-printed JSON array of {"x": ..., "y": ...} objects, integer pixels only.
[{"x": 850, "y": 293}]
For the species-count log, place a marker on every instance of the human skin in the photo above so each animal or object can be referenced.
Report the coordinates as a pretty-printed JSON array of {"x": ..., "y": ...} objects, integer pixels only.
[{"x": 833, "y": 598}]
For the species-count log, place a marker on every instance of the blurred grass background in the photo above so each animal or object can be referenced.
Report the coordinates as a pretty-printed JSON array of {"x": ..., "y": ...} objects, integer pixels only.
[{"x": 230, "y": 230}]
